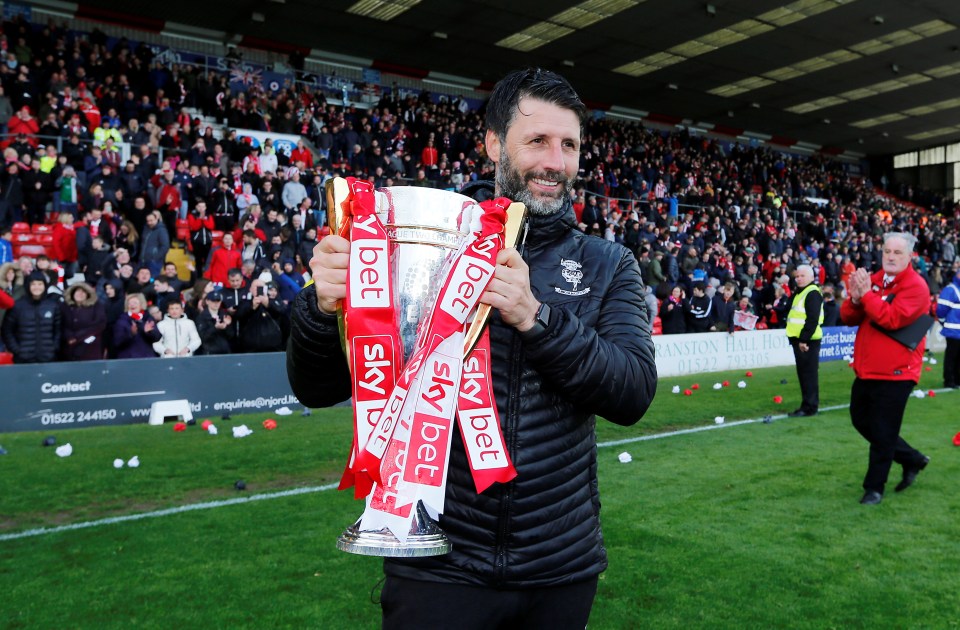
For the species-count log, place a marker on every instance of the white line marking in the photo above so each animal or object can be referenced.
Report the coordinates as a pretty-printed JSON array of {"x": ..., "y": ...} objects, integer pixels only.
[
  {"x": 209, "y": 505},
  {"x": 103, "y": 396}
]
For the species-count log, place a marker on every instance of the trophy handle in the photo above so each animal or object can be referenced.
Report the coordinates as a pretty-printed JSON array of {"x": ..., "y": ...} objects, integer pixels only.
[
  {"x": 338, "y": 220},
  {"x": 516, "y": 215}
]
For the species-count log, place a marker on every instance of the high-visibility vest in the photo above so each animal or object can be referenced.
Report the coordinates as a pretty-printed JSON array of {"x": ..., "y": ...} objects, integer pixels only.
[{"x": 797, "y": 316}]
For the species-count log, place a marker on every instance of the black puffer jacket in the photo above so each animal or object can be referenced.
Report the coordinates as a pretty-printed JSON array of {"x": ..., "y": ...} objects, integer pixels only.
[
  {"x": 31, "y": 329},
  {"x": 596, "y": 357}
]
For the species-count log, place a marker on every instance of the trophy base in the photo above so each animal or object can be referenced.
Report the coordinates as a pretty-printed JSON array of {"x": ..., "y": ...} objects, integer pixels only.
[{"x": 425, "y": 539}]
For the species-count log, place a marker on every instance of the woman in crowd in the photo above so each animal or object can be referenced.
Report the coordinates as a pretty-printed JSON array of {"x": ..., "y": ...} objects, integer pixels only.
[
  {"x": 129, "y": 238},
  {"x": 135, "y": 332},
  {"x": 84, "y": 321},
  {"x": 671, "y": 312},
  {"x": 11, "y": 282}
]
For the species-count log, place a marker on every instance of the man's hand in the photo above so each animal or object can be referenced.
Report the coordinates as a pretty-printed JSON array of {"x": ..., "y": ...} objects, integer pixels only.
[
  {"x": 859, "y": 284},
  {"x": 803, "y": 346},
  {"x": 329, "y": 268},
  {"x": 509, "y": 291}
]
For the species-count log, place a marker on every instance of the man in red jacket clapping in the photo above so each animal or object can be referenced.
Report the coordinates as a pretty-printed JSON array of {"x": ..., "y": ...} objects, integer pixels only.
[{"x": 886, "y": 369}]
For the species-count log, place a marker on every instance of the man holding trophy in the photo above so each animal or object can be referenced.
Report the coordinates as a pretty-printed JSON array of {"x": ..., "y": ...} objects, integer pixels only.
[{"x": 568, "y": 337}]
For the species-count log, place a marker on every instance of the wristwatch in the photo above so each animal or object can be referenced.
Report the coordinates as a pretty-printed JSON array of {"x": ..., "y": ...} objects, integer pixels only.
[{"x": 540, "y": 323}]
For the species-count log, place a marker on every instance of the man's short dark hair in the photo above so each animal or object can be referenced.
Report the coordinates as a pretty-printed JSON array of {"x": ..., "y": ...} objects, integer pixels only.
[
  {"x": 235, "y": 272},
  {"x": 536, "y": 83}
]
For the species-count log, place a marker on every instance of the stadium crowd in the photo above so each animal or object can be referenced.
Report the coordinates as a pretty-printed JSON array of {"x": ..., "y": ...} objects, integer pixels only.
[{"x": 718, "y": 228}]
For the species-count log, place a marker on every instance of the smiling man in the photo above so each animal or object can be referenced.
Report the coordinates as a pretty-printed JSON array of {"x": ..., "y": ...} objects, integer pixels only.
[
  {"x": 570, "y": 338},
  {"x": 884, "y": 306}
]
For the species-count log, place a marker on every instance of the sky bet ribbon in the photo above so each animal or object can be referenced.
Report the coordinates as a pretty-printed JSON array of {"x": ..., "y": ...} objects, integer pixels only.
[
  {"x": 372, "y": 337},
  {"x": 407, "y": 451}
]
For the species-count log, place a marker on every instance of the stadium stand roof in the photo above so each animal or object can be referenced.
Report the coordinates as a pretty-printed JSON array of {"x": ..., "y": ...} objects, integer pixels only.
[{"x": 866, "y": 76}]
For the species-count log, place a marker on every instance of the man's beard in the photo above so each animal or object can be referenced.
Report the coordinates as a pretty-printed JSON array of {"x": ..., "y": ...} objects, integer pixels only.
[{"x": 511, "y": 184}]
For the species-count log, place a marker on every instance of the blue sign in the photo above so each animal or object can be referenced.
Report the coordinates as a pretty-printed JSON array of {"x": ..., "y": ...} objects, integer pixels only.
[{"x": 837, "y": 343}]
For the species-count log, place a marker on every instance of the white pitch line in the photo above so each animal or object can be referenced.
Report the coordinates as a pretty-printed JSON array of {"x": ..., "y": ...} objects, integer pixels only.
[
  {"x": 209, "y": 505},
  {"x": 708, "y": 427}
]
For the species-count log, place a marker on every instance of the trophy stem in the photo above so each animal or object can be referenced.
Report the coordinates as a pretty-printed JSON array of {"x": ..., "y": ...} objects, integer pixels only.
[{"x": 425, "y": 539}]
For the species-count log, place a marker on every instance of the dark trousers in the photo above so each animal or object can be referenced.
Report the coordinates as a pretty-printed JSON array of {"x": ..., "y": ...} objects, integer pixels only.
[
  {"x": 876, "y": 409},
  {"x": 201, "y": 252},
  {"x": 808, "y": 373},
  {"x": 951, "y": 363},
  {"x": 436, "y": 606}
]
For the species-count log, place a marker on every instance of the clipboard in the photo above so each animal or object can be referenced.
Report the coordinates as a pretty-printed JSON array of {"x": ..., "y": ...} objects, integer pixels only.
[{"x": 911, "y": 334}]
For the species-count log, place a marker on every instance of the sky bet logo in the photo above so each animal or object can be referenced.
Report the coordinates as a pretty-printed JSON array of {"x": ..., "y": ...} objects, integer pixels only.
[{"x": 369, "y": 268}]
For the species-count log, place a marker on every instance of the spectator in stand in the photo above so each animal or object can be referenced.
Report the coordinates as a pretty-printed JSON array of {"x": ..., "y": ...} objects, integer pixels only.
[
  {"x": 236, "y": 303},
  {"x": 293, "y": 193},
  {"x": 11, "y": 283},
  {"x": 270, "y": 225},
  {"x": 135, "y": 332},
  {"x": 252, "y": 248},
  {"x": 671, "y": 311},
  {"x": 698, "y": 310},
  {"x": 6, "y": 244},
  {"x": 724, "y": 306},
  {"x": 67, "y": 191},
  {"x": 247, "y": 198},
  {"x": 142, "y": 282},
  {"x": 775, "y": 313},
  {"x": 261, "y": 331},
  {"x": 154, "y": 243},
  {"x": 288, "y": 281},
  {"x": 11, "y": 193},
  {"x": 948, "y": 311},
  {"x": 831, "y": 308},
  {"x": 179, "y": 337},
  {"x": 305, "y": 251},
  {"x": 169, "y": 200},
  {"x": 886, "y": 369},
  {"x": 214, "y": 326},
  {"x": 222, "y": 260},
  {"x": 84, "y": 321},
  {"x": 224, "y": 206},
  {"x": 128, "y": 237},
  {"x": 31, "y": 329},
  {"x": 172, "y": 276},
  {"x": 64, "y": 248},
  {"x": 201, "y": 227},
  {"x": 300, "y": 155},
  {"x": 164, "y": 293}
]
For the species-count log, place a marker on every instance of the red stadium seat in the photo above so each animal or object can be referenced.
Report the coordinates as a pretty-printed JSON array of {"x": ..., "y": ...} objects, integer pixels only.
[
  {"x": 183, "y": 230},
  {"x": 24, "y": 238},
  {"x": 32, "y": 250},
  {"x": 44, "y": 239},
  {"x": 42, "y": 228},
  {"x": 217, "y": 238},
  {"x": 20, "y": 228}
]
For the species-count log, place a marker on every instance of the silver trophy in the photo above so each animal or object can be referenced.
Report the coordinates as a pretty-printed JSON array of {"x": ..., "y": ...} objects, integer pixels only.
[{"x": 428, "y": 226}]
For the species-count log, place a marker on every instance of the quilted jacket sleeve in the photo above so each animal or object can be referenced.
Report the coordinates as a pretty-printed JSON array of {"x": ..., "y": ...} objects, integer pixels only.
[
  {"x": 608, "y": 369},
  {"x": 316, "y": 366}
]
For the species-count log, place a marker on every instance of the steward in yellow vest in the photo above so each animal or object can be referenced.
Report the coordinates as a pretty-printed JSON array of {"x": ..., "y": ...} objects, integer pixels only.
[{"x": 804, "y": 321}]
